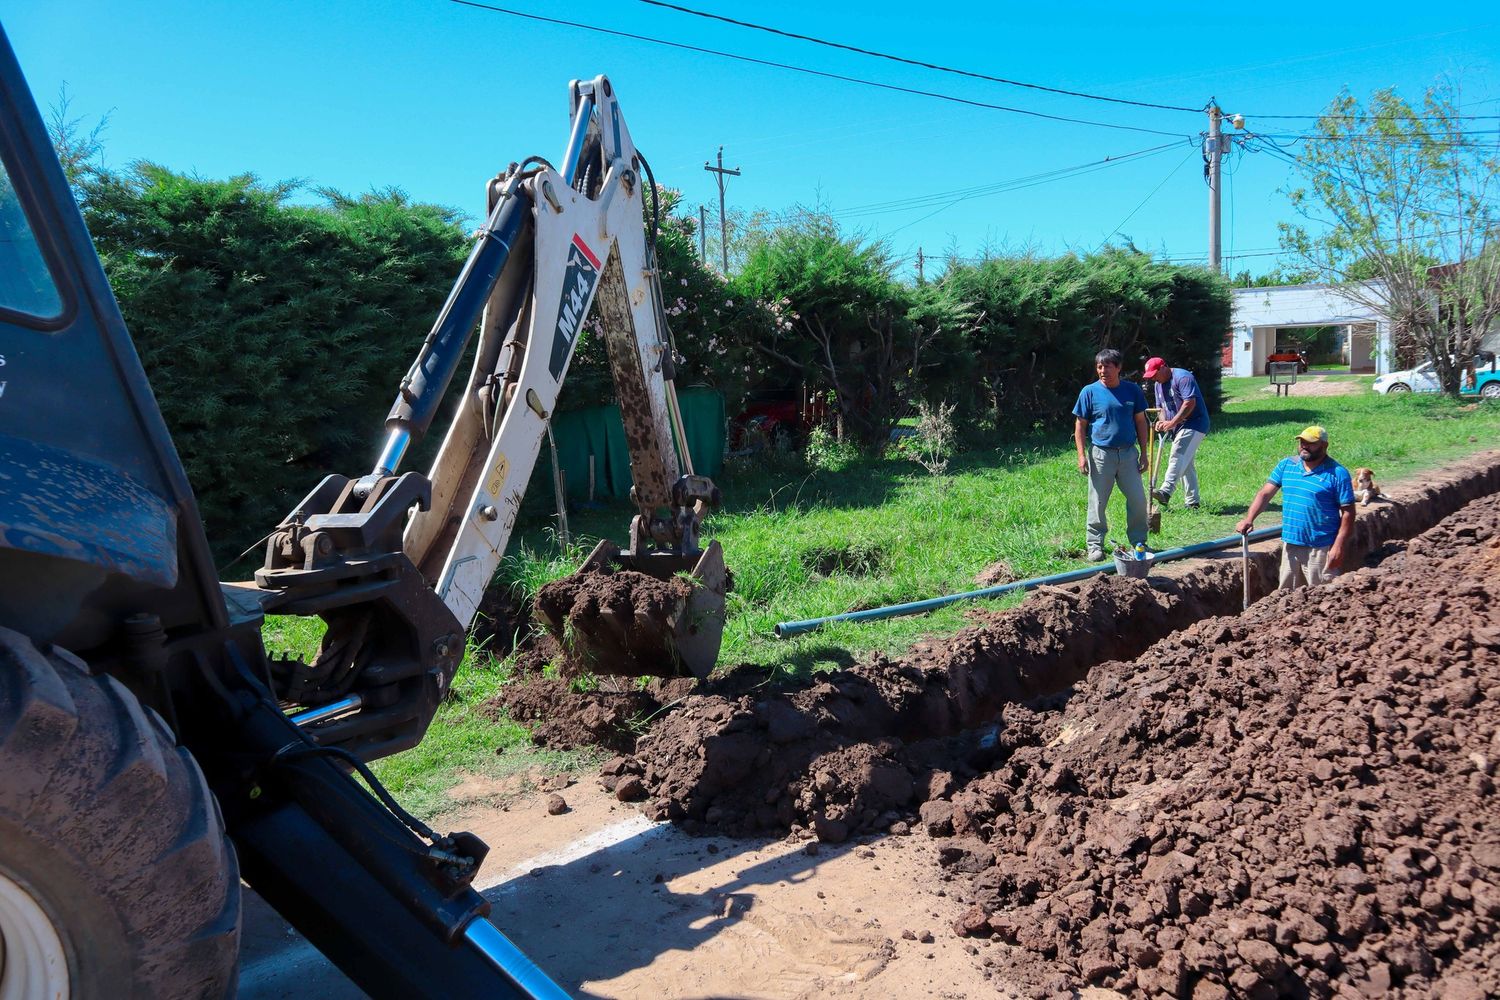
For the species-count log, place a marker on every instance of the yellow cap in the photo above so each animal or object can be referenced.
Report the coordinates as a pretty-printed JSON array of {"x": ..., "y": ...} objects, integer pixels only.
[{"x": 1313, "y": 433}]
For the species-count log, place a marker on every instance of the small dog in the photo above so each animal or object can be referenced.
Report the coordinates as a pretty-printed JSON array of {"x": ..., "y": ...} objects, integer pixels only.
[{"x": 1365, "y": 489}]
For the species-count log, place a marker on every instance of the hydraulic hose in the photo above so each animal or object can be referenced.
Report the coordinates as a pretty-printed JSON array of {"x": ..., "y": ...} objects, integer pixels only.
[{"x": 788, "y": 629}]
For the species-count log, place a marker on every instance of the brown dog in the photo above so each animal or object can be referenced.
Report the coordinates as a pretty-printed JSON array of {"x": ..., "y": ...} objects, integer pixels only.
[{"x": 1365, "y": 489}]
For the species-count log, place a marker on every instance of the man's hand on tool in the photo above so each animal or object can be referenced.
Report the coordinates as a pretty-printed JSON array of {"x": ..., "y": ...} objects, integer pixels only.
[
  {"x": 1244, "y": 526},
  {"x": 1165, "y": 427}
]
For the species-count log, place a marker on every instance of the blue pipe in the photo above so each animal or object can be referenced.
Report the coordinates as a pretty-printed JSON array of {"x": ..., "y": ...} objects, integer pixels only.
[{"x": 787, "y": 629}]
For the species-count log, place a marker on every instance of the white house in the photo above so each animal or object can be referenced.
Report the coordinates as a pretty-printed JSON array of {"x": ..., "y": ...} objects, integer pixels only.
[{"x": 1260, "y": 312}]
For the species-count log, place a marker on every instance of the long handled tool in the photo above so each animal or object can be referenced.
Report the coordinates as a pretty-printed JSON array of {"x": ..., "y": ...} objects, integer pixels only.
[
  {"x": 1245, "y": 569},
  {"x": 1153, "y": 459}
]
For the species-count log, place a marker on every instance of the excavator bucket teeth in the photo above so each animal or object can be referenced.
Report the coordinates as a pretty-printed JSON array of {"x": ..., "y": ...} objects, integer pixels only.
[{"x": 651, "y": 615}]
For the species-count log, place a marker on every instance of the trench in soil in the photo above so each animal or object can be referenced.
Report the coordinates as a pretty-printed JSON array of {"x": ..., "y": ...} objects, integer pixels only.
[{"x": 850, "y": 749}]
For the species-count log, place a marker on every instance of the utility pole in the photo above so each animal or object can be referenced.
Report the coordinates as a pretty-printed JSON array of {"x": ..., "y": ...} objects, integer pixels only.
[
  {"x": 703, "y": 234},
  {"x": 920, "y": 277},
  {"x": 1215, "y": 144},
  {"x": 1213, "y": 153},
  {"x": 719, "y": 173}
]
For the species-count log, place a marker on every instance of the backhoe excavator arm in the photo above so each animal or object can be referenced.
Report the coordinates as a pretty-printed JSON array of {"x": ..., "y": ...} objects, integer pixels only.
[{"x": 559, "y": 250}]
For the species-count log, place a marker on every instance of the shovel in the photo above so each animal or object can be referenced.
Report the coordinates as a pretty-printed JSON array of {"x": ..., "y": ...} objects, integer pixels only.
[
  {"x": 1153, "y": 512},
  {"x": 1245, "y": 569}
]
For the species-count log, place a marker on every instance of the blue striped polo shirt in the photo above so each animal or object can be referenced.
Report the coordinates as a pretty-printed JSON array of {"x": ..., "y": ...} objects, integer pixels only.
[{"x": 1310, "y": 501}]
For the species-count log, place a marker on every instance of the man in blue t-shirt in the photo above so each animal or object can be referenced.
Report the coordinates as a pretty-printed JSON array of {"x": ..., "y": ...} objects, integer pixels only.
[
  {"x": 1317, "y": 511},
  {"x": 1109, "y": 422},
  {"x": 1184, "y": 420}
]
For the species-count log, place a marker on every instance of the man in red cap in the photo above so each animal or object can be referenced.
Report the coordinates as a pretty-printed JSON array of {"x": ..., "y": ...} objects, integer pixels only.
[
  {"x": 1317, "y": 511},
  {"x": 1184, "y": 421}
]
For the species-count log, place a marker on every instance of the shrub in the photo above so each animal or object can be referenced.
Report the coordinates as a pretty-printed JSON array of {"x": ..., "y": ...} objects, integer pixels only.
[
  {"x": 1041, "y": 320},
  {"x": 274, "y": 334}
]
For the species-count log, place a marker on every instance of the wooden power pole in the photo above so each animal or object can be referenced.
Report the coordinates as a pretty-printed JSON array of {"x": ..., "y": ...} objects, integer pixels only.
[{"x": 719, "y": 173}]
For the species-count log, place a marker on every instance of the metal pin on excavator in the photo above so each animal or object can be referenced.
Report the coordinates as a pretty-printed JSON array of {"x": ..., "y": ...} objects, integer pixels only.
[{"x": 151, "y": 752}]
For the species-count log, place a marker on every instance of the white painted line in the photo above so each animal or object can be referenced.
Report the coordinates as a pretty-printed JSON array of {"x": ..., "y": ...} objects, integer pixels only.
[{"x": 610, "y": 836}]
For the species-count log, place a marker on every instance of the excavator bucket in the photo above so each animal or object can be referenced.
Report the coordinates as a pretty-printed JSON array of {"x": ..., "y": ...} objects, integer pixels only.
[{"x": 626, "y": 615}]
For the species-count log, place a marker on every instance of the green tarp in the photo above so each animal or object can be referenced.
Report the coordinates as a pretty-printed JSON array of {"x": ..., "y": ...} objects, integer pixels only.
[{"x": 599, "y": 432}]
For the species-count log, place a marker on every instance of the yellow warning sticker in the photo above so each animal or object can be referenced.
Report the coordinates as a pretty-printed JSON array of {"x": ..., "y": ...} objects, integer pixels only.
[{"x": 497, "y": 479}]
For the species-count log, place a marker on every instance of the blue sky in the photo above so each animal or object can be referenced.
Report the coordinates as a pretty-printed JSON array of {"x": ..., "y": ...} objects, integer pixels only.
[{"x": 434, "y": 98}]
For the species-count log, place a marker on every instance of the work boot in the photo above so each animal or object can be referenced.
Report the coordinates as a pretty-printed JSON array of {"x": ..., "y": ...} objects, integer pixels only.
[
  {"x": 1161, "y": 496},
  {"x": 1096, "y": 555}
]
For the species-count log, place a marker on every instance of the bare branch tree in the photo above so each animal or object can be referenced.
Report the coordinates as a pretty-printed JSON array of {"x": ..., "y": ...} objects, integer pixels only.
[{"x": 1399, "y": 208}]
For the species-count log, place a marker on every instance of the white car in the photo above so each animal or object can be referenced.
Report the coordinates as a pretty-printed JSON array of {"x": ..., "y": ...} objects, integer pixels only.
[{"x": 1422, "y": 378}]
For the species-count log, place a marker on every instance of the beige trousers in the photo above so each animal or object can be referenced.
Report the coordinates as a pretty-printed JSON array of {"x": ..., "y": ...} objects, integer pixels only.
[{"x": 1304, "y": 566}]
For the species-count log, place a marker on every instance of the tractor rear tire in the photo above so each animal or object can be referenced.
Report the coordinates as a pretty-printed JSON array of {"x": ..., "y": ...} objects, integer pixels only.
[{"x": 109, "y": 831}]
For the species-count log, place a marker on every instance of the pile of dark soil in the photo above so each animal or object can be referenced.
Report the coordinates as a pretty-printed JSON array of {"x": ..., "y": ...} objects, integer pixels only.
[
  {"x": 614, "y": 622},
  {"x": 836, "y": 756},
  {"x": 562, "y": 718},
  {"x": 825, "y": 756},
  {"x": 1296, "y": 802}
]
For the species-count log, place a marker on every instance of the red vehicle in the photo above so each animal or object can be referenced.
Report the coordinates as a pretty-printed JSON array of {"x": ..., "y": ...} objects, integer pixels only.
[
  {"x": 777, "y": 417},
  {"x": 770, "y": 417},
  {"x": 1300, "y": 357}
]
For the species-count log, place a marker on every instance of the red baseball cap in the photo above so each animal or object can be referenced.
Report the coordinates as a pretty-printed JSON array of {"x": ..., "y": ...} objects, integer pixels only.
[{"x": 1154, "y": 365}]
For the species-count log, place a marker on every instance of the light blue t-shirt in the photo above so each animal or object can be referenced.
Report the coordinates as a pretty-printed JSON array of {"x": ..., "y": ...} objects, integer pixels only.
[
  {"x": 1110, "y": 412},
  {"x": 1171, "y": 397},
  {"x": 1310, "y": 501}
]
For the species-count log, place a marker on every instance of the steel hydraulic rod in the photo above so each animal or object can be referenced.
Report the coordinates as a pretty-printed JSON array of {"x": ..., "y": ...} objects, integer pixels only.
[
  {"x": 527, "y": 976},
  {"x": 569, "y": 166},
  {"x": 787, "y": 629},
  {"x": 327, "y": 711}
]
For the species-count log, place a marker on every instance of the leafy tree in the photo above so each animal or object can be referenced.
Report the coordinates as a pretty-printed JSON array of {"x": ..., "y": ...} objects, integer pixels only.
[
  {"x": 1274, "y": 277},
  {"x": 79, "y": 149},
  {"x": 1399, "y": 206},
  {"x": 839, "y": 318}
]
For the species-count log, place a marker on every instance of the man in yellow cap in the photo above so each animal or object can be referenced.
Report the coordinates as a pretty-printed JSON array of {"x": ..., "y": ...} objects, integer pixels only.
[{"x": 1317, "y": 511}]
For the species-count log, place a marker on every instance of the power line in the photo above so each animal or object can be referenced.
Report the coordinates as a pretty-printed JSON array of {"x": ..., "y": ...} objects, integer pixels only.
[
  {"x": 1170, "y": 175},
  {"x": 1389, "y": 241},
  {"x": 967, "y": 194},
  {"x": 996, "y": 187},
  {"x": 1066, "y": 173},
  {"x": 1372, "y": 139},
  {"x": 810, "y": 72},
  {"x": 915, "y": 62},
  {"x": 1373, "y": 118}
]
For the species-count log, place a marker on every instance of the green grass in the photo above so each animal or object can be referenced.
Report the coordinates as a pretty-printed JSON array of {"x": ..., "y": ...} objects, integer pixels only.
[{"x": 806, "y": 542}]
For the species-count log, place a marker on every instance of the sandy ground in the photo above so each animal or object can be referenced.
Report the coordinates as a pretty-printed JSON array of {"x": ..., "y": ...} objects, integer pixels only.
[
  {"x": 1322, "y": 385},
  {"x": 668, "y": 915}
]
